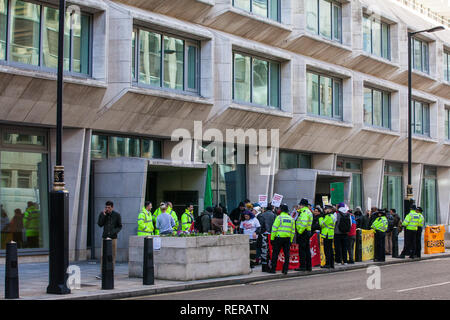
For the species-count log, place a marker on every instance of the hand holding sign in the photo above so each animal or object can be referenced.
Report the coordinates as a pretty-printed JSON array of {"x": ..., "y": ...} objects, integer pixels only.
[
  {"x": 276, "y": 200},
  {"x": 262, "y": 200}
]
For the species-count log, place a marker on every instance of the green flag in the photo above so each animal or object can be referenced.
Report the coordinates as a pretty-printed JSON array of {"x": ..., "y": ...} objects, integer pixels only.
[
  {"x": 337, "y": 192},
  {"x": 208, "y": 191}
]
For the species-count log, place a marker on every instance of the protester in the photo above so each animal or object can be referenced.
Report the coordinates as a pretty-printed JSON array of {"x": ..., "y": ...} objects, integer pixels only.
[
  {"x": 352, "y": 239},
  {"x": 206, "y": 219},
  {"x": 390, "y": 220},
  {"x": 236, "y": 213},
  {"x": 315, "y": 226},
  {"x": 342, "y": 227},
  {"x": 252, "y": 228},
  {"x": 217, "y": 221}
]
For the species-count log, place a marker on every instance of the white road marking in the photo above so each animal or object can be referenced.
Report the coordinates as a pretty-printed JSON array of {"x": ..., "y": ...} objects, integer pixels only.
[
  {"x": 359, "y": 298},
  {"x": 422, "y": 287}
]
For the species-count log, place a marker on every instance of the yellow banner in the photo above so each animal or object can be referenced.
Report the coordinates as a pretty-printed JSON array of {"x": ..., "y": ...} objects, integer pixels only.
[
  {"x": 368, "y": 245},
  {"x": 322, "y": 252},
  {"x": 434, "y": 239}
]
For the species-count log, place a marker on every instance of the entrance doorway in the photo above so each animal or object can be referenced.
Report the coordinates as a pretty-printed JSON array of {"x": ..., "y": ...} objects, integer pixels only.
[{"x": 323, "y": 186}]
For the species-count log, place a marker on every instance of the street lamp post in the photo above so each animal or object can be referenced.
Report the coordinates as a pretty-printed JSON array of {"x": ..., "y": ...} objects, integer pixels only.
[
  {"x": 409, "y": 189},
  {"x": 59, "y": 196}
]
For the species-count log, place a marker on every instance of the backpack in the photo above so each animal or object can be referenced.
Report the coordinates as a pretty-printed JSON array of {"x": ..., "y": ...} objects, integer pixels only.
[
  {"x": 390, "y": 219},
  {"x": 344, "y": 223}
]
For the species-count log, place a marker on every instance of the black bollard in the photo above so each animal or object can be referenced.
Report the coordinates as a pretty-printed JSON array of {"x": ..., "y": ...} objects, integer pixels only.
[
  {"x": 358, "y": 246},
  {"x": 11, "y": 272},
  {"x": 107, "y": 265},
  {"x": 149, "y": 269},
  {"x": 395, "y": 242}
]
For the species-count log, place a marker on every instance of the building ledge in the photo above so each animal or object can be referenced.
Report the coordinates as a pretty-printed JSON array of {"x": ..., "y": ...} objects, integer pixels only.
[
  {"x": 441, "y": 89},
  {"x": 373, "y": 65},
  {"x": 424, "y": 138},
  {"x": 420, "y": 80},
  {"x": 338, "y": 123},
  {"x": 318, "y": 47},
  {"x": 264, "y": 110},
  {"x": 173, "y": 95},
  {"x": 381, "y": 131}
]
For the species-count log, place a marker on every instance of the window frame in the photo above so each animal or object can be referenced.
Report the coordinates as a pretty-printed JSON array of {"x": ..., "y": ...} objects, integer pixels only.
[
  {"x": 269, "y": 9},
  {"x": 333, "y": 4},
  {"x": 40, "y": 66},
  {"x": 447, "y": 116},
  {"x": 424, "y": 58},
  {"x": 388, "y": 174},
  {"x": 269, "y": 62},
  {"x": 298, "y": 159},
  {"x": 371, "y": 20},
  {"x": 383, "y": 92},
  {"x": 423, "y": 105},
  {"x": 341, "y": 96},
  {"x": 446, "y": 64},
  {"x": 186, "y": 43}
]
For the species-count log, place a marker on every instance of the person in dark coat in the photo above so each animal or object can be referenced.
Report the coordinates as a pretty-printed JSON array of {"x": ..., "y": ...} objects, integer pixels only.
[{"x": 236, "y": 214}]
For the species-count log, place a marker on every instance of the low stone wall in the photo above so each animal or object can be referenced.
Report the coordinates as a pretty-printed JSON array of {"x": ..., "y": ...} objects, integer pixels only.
[{"x": 193, "y": 258}]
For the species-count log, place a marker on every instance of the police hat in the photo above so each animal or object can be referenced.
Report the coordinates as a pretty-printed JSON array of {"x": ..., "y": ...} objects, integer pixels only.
[
  {"x": 284, "y": 207},
  {"x": 304, "y": 202}
]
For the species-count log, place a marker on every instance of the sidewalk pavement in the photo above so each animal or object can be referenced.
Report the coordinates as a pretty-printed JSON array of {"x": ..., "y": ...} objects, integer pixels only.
[{"x": 33, "y": 280}]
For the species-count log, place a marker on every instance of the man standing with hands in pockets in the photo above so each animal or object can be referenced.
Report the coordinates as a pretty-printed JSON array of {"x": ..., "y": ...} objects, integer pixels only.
[{"x": 111, "y": 222}]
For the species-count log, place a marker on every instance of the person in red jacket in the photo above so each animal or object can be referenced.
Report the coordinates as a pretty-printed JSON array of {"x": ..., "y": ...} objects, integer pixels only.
[{"x": 351, "y": 239}]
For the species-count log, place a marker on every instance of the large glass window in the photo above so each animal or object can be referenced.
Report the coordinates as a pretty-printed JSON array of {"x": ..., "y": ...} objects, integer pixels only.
[
  {"x": 293, "y": 160},
  {"x": 421, "y": 118},
  {"x": 446, "y": 66},
  {"x": 324, "y": 18},
  {"x": 264, "y": 8},
  {"x": 33, "y": 36},
  {"x": 446, "y": 123},
  {"x": 24, "y": 190},
  {"x": 377, "y": 109},
  {"x": 256, "y": 80},
  {"x": 103, "y": 146},
  {"x": 376, "y": 37},
  {"x": 420, "y": 55},
  {"x": 165, "y": 61},
  {"x": 324, "y": 95},
  {"x": 355, "y": 167},
  {"x": 429, "y": 196},
  {"x": 393, "y": 187}
]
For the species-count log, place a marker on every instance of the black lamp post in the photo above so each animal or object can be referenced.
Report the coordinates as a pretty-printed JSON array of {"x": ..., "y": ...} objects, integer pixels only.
[
  {"x": 59, "y": 196},
  {"x": 409, "y": 188}
]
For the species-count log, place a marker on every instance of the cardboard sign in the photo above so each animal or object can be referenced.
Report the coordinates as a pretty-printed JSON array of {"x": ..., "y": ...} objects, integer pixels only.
[
  {"x": 368, "y": 245},
  {"x": 434, "y": 239},
  {"x": 325, "y": 201},
  {"x": 276, "y": 200},
  {"x": 262, "y": 200}
]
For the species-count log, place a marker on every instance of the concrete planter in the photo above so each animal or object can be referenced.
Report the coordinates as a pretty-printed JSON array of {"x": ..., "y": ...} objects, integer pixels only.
[{"x": 193, "y": 258}]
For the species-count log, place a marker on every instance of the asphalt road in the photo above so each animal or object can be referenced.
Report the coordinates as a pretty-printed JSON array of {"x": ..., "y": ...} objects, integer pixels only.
[{"x": 422, "y": 280}]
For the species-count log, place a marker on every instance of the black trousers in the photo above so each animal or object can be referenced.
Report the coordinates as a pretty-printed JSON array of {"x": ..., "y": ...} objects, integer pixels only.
[
  {"x": 410, "y": 242},
  {"x": 328, "y": 250},
  {"x": 418, "y": 242},
  {"x": 278, "y": 244},
  {"x": 304, "y": 250},
  {"x": 341, "y": 247},
  {"x": 380, "y": 246}
]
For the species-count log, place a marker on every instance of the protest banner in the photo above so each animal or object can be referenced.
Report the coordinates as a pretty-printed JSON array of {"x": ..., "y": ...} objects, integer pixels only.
[
  {"x": 434, "y": 239},
  {"x": 276, "y": 200},
  {"x": 315, "y": 250},
  {"x": 294, "y": 259},
  {"x": 368, "y": 245}
]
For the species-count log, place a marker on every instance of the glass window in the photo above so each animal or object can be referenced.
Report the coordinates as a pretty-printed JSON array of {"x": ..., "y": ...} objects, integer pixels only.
[
  {"x": 99, "y": 147},
  {"x": 25, "y": 29},
  {"x": 3, "y": 27},
  {"x": 324, "y": 95},
  {"x": 446, "y": 66},
  {"x": 429, "y": 196},
  {"x": 264, "y": 8},
  {"x": 256, "y": 81},
  {"x": 50, "y": 39},
  {"x": 376, "y": 37},
  {"x": 274, "y": 12},
  {"x": 80, "y": 43},
  {"x": 385, "y": 41},
  {"x": 24, "y": 139},
  {"x": 260, "y": 7},
  {"x": 293, "y": 160},
  {"x": 149, "y": 58},
  {"x": 192, "y": 67},
  {"x": 151, "y": 149},
  {"x": 392, "y": 192},
  {"x": 123, "y": 147},
  {"x": 23, "y": 192},
  {"x": 447, "y": 122},
  {"x": 133, "y": 54},
  {"x": 377, "y": 108},
  {"x": 243, "y": 4},
  {"x": 356, "y": 196},
  {"x": 367, "y": 35},
  {"x": 324, "y": 18},
  {"x": 173, "y": 63},
  {"x": 420, "y": 55},
  {"x": 421, "y": 121}
]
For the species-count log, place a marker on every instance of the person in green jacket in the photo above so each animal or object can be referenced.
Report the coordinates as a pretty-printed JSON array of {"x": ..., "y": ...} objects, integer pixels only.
[
  {"x": 283, "y": 231},
  {"x": 327, "y": 224},
  {"x": 380, "y": 226},
  {"x": 411, "y": 223},
  {"x": 31, "y": 222},
  {"x": 145, "y": 221},
  {"x": 303, "y": 233},
  {"x": 174, "y": 216},
  {"x": 187, "y": 218}
]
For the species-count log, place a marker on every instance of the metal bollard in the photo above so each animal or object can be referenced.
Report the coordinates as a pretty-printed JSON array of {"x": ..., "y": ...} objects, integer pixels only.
[
  {"x": 149, "y": 269},
  {"x": 358, "y": 246},
  {"x": 107, "y": 265},
  {"x": 395, "y": 242},
  {"x": 11, "y": 272}
]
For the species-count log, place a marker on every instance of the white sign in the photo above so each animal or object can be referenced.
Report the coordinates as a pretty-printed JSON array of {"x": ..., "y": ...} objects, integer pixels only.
[
  {"x": 156, "y": 243},
  {"x": 276, "y": 200},
  {"x": 369, "y": 203},
  {"x": 325, "y": 201},
  {"x": 262, "y": 200}
]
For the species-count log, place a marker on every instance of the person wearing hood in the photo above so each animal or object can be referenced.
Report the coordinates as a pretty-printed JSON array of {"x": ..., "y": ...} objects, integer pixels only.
[{"x": 342, "y": 227}]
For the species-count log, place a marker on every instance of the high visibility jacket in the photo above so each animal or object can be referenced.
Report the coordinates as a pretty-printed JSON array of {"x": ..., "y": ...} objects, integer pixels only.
[
  {"x": 380, "y": 224},
  {"x": 421, "y": 220},
  {"x": 175, "y": 218},
  {"x": 283, "y": 227},
  {"x": 31, "y": 221},
  {"x": 304, "y": 220},
  {"x": 145, "y": 223},
  {"x": 411, "y": 221},
  {"x": 327, "y": 224},
  {"x": 186, "y": 220}
]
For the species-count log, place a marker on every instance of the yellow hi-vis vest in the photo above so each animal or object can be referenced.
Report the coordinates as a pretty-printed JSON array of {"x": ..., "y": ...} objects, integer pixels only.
[
  {"x": 31, "y": 221},
  {"x": 304, "y": 220},
  {"x": 186, "y": 220},
  {"x": 412, "y": 221},
  {"x": 327, "y": 224},
  {"x": 145, "y": 223},
  {"x": 380, "y": 224},
  {"x": 283, "y": 227}
]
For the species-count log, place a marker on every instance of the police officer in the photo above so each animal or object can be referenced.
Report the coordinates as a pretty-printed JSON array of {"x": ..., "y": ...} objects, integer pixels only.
[
  {"x": 380, "y": 226},
  {"x": 327, "y": 224},
  {"x": 283, "y": 230},
  {"x": 145, "y": 220},
  {"x": 187, "y": 219},
  {"x": 419, "y": 212},
  {"x": 410, "y": 223},
  {"x": 303, "y": 233}
]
